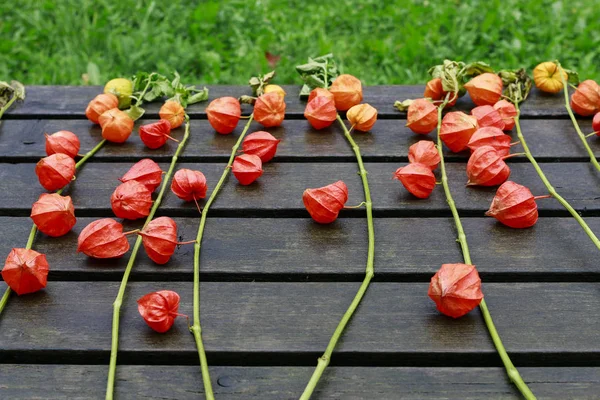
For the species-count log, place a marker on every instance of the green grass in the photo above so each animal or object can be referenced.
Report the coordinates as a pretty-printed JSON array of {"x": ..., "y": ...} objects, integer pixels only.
[{"x": 224, "y": 41}]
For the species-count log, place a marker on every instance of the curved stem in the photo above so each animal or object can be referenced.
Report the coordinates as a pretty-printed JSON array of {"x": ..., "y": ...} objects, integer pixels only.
[
  {"x": 7, "y": 105},
  {"x": 195, "y": 328},
  {"x": 593, "y": 159},
  {"x": 369, "y": 272},
  {"x": 549, "y": 186},
  {"x": 119, "y": 299},
  {"x": 33, "y": 231},
  {"x": 511, "y": 370}
]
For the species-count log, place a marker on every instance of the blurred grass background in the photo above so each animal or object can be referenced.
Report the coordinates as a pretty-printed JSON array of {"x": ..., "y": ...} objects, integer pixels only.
[{"x": 224, "y": 41}]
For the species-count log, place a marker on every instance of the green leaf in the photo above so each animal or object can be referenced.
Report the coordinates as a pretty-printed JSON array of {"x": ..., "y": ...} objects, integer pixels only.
[
  {"x": 258, "y": 83},
  {"x": 268, "y": 76},
  {"x": 8, "y": 91},
  {"x": 572, "y": 76},
  {"x": 305, "y": 91},
  {"x": 19, "y": 89},
  {"x": 247, "y": 99},
  {"x": 317, "y": 72},
  {"x": 403, "y": 105},
  {"x": 199, "y": 96},
  {"x": 149, "y": 87},
  {"x": 177, "y": 80},
  {"x": 517, "y": 84},
  {"x": 476, "y": 68},
  {"x": 135, "y": 112}
]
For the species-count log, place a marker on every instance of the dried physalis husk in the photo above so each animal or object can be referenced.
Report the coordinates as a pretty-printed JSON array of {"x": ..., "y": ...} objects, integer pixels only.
[
  {"x": 99, "y": 105},
  {"x": 53, "y": 214},
  {"x": 456, "y": 289},
  {"x": 485, "y": 89},
  {"x": 131, "y": 200},
  {"x": 224, "y": 114},
  {"x": 62, "y": 142},
  {"x": 586, "y": 99},
  {"x": 103, "y": 238},
  {"x": 596, "y": 124},
  {"x": 116, "y": 125},
  {"x": 146, "y": 172},
  {"x": 491, "y": 136},
  {"x": 156, "y": 134},
  {"x": 159, "y": 309},
  {"x": 318, "y": 92},
  {"x": 189, "y": 185},
  {"x": 261, "y": 144},
  {"x": 488, "y": 116},
  {"x": 269, "y": 109},
  {"x": 247, "y": 168},
  {"x": 25, "y": 271},
  {"x": 362, "y": 117},
  {"x": 514, "y": 206},
  {"x": 486, "y": 167},
  {"x": 422, "y": 116},
  {"x": 56, "y": 171},
  {"x": 159, "y": 238},
  {"x": 508, "y": 112},
  {"x": 320, "y": 111},
  {"x": 173, "y": 112},
  {"x": 424, "y": 152},
  {"x": 347, "y": 91},
  {"x": 435, "y": 91},
  {"x": 325, "y": 203},
  {"x": 457, "y": 129},
  {"x": 417, "y": 179}
]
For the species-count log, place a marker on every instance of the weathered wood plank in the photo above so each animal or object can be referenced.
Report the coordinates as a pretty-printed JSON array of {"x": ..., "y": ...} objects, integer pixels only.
[
  {"x": 19, "y": 381},
  {"x": 298, "y": 249},
  {"x": 71, "y": 101},
  {"x": 23, "y": 140},
  {"x": 542, "y": 324},
  {"x": 280, "y": 189}
]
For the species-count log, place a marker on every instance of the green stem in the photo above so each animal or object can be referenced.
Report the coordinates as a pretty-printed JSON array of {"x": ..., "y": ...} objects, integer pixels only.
[
  {"x": 119, "y": 299},
  {"x": 4, "y": 299},
  {"x": 89, "y": 154},
  {"x": 511, "y": 370},
  {"x": 593, "y": 159},
  {"x": 140, "y": 98},
  {"x": 31, "y": 237},
  {"x": 195, "y": 328},
  {"x": 369, "y": 272},
  {"x": 7, "y": 105},
  {"x": 33, "y": 231},
  {"x": 549, "y": 186}
]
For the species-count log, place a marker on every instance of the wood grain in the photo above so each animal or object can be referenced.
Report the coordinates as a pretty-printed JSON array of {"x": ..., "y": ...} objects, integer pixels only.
[
  {"x": 23, "y": 140},
  {"x": 83, "y": 382},
  {"x": 279, "y": 191},
  {"x": 71, "y": 101},
  {"x": 274, "y": 287},
  {"x": 541, "y": 324},
  {"x": 407, "y": 249}
]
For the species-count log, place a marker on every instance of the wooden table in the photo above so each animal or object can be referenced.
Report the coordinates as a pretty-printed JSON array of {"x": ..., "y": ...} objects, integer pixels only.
[{"x": 274, "y": 284}]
